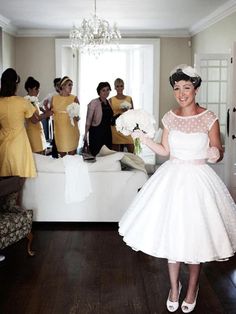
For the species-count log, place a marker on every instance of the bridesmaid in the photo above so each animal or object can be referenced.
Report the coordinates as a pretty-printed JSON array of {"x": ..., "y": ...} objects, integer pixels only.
[
  {"x": 35, "y": 131},
  {"x": 121, "y": 103},
  {"x": 66, "y": 135},
  {"x": 16, "y": 157}
]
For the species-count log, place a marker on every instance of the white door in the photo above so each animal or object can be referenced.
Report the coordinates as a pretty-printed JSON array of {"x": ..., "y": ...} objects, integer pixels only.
[{"x": 214, "y": 95}]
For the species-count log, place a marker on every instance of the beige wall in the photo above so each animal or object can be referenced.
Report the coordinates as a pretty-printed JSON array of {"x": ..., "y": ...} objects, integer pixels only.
[
  {"x": 36, "y": 57},
  {"x": 216, "y": 39},
  {"x": 174, "y": 51}
]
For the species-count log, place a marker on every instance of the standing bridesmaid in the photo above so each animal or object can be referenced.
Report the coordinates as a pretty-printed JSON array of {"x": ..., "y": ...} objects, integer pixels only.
[
  {"x": 35, "y": 131},
  {"x": 66, "y": 135},
  {"x": 121, "y": 103}
]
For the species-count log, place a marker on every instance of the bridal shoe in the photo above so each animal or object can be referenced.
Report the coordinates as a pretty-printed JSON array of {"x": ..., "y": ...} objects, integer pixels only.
[
  {"x": 189, "y": 307},
  {"x": 173, "y": 306}
]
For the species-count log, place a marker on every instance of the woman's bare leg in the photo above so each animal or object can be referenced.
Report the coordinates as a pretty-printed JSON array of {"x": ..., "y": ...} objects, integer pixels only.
[
  {"x": 130, "y": 148},
  {"x": 61, "y": 154},
  {"x": 116, "y": 147},
  {"x": 73, "y": 152}
]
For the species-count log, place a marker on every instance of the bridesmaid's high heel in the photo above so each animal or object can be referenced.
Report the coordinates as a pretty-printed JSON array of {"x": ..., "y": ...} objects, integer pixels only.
[{"x": 172, "y": 306}]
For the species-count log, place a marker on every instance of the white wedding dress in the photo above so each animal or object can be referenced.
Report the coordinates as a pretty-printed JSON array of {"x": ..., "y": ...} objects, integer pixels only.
[{"x": 184, "y": 212}]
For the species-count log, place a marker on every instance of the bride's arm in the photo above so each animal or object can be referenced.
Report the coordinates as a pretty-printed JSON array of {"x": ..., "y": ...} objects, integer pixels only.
[{"x": 161, "y": 149}]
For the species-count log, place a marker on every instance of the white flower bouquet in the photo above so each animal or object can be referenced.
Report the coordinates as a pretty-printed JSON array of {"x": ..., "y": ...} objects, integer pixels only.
[
  {"x": 33, "y": 99},
  {"x": 73, "y": 110},
  {"x": 136, "y": 119},
  {"x": 125, "y": 105}
]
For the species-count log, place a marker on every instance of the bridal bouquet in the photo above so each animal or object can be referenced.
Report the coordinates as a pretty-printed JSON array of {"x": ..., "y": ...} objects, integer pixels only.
[
  {"x": 73, "y": 110},
  {"x": 136, "y": 119},
  {"x": 33, "y": 99},
  {"x": 125, "y": 105}
]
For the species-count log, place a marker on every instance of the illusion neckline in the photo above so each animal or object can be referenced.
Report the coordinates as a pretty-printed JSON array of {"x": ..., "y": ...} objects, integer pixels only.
[{"x": 192, "y": 116}]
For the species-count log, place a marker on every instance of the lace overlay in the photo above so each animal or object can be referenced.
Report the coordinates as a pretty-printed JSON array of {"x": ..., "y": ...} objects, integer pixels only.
[{"x": 200, "y": 123}]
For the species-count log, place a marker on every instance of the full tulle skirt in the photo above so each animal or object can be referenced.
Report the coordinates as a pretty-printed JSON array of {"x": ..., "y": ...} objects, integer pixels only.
[{"x": 183, "y": 213}]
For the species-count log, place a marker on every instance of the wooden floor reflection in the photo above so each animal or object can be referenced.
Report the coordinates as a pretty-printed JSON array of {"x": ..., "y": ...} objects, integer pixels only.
[{"x": 86, "y": 268}]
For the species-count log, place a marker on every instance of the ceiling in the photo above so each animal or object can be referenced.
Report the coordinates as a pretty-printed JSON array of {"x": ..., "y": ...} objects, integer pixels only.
[{"x": 149, "y": 17}]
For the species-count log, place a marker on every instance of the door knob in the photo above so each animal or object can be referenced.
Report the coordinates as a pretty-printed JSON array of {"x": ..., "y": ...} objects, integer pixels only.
[{"x": 233, "y": 137}]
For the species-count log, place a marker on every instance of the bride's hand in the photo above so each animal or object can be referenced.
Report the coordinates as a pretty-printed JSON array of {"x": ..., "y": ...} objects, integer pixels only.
[
  {"x": 213, "y": 154},
  {"x": 139, "y": 134}
]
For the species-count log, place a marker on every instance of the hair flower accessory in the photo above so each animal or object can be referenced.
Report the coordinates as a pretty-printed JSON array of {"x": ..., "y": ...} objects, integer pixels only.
[
  {"x": 73, "y": 111},
  {"x": 136, "y": 119},
  {"x": 191, "y": 72}
]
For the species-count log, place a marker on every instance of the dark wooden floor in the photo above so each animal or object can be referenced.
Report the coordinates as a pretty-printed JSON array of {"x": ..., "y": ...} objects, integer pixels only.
[{"x": 88, "y": 269}]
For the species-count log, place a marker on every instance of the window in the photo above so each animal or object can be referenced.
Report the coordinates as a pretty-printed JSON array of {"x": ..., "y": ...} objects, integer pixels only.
[{"x": 136, "y": 61}]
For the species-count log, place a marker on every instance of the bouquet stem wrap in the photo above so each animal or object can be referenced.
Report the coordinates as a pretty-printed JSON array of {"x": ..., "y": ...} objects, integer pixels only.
[{"x": 137, "y": 146}]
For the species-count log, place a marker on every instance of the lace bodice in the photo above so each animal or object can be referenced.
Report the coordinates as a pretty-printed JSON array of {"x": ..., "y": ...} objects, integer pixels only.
[
  {"x": 188, "y": 136},
  {"x": 200, "y": 123}
]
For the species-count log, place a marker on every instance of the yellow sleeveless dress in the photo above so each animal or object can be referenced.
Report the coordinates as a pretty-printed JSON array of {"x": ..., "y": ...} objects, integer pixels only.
[
  {"x": 36, "y": 134},
  {"x": 117, "y": 137},
  {"x": 66, "y": 135},
  {"x": 16, "y": 158}
]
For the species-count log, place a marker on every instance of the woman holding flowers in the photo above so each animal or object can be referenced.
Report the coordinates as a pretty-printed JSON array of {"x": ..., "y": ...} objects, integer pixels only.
[
  {"x": 99, "y": 119},
  {"x": 15, "y": 152},
  {"x": 35, "y": 131},
  {"x": 121, "y": 103},
  {"x": 66, "y": 129},
  {"x": 184, "y": 213}
]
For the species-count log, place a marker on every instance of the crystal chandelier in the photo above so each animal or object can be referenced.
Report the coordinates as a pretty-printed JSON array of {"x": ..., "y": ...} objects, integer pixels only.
[{"x": 94, "y": 34}]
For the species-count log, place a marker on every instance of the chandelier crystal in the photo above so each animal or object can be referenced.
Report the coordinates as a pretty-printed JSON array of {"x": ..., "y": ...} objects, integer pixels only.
[{"x": 94, "y": 34}]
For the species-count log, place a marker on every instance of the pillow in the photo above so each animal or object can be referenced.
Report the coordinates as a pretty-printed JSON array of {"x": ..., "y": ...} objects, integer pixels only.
[
  {"x": 48, "y": 164},
  {"x": 107, "y": 163}
]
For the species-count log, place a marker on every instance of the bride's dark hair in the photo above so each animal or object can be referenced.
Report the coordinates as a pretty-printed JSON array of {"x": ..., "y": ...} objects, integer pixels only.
[{"x": 178, "y": 75}]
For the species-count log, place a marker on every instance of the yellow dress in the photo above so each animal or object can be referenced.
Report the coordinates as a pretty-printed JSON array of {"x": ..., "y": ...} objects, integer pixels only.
[
  {"x": 36, "y": 134},
  {"x": 117, "y": 137},
  {"x": 66, "y": 135},
  {"x": 16, "y": 158}
]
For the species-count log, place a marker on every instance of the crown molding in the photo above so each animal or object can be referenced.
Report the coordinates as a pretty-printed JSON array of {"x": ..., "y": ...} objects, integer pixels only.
[
  {"x": 124, "y": 33},
  {"x": 7, "y": 26},
  {"x": 223, "y": 11}
]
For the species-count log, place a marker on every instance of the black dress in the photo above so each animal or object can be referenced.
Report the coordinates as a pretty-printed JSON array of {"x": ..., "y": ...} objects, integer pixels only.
[{"x": 101, "y": 134}]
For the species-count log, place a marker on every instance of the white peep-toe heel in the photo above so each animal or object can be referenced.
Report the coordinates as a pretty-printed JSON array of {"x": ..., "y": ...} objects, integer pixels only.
[
  {"x": 172, "y": 306},
  {"x": 189, "y": 307}
]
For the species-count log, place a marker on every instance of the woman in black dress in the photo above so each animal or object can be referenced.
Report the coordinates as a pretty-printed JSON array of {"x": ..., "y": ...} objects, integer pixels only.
[{"x": 99, "y": 119}]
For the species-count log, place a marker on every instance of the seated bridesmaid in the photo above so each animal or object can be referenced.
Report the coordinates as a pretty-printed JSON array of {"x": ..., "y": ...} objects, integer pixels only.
[{"x": 35, "y": 131}]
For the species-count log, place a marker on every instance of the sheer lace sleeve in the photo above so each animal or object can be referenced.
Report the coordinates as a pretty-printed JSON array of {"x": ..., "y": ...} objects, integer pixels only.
[{"x": 166, "y": 120}]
